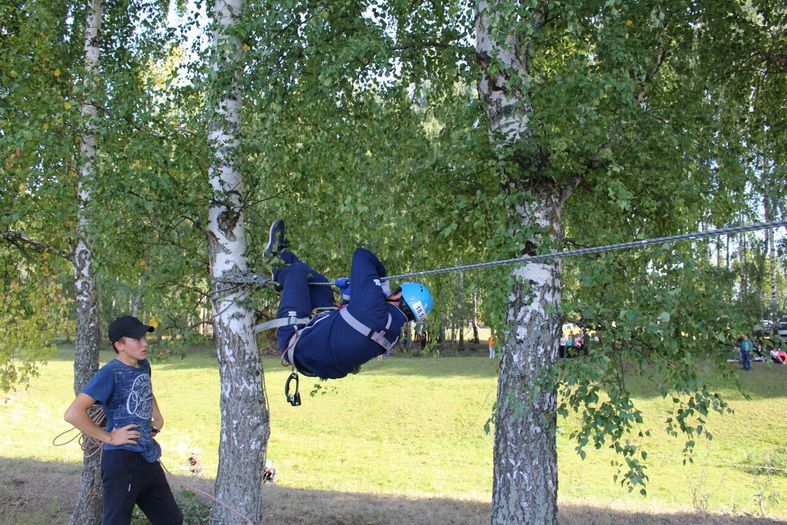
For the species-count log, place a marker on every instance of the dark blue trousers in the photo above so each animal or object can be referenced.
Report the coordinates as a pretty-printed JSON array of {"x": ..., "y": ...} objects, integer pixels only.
[
  {"x": 129, "y": 480},
  {"x": 298, "y": 297},
  {"x": 745, "y": 359}
]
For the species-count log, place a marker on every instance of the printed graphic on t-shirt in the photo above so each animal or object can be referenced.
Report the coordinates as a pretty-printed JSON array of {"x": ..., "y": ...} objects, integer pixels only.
[{"x": 140, "y": 399}]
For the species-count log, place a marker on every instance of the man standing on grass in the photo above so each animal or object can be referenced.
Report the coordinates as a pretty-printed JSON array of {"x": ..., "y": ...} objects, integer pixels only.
[
  {"x": 130, "y": 468},
  {"x": 745, "y": 350}
]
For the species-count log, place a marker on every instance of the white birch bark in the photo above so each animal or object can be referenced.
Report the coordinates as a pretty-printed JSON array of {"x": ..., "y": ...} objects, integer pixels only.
[
  {"x": 506, "y": 109},
  {"x": 244, "y": 413},
  {"x": 525, "y": 456},
  {"x": 89, "y": 504}
]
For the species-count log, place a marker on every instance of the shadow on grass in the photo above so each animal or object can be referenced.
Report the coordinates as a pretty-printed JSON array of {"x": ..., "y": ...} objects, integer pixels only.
[{"x": 35, "y": 492}]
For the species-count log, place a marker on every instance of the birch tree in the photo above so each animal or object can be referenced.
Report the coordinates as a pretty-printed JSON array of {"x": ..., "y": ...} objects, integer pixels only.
[
  {"x": 51, "y": 203},
  {"x": 72, "y": 68},
  {"x": 90, "y": 502},
  {"x": 245, "y": 425},
  {"x": 525, "y": 473},
  {"x": 622, "y": 104}
]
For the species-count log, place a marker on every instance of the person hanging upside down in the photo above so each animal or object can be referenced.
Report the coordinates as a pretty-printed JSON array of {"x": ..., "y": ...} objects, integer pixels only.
[{"x": 336, "y": 342}]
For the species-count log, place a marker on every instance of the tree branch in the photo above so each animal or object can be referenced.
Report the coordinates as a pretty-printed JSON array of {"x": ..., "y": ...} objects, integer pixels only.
[
  {"x": 661, "y": 53},
  {"x": 22, "y": 241},
  {"x": 431, "y": 44}
]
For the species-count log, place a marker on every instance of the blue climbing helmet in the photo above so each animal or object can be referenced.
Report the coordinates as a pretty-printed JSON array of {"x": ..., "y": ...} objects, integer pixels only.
[{"x": 418, "y": 298}]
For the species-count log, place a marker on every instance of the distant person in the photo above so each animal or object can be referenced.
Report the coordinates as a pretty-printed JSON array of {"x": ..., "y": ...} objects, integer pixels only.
[
  {"x": 407, "y": 341},
  {"x": 561, "y": 349},
  {"x": 579, "y": 341},
  {"x": 422, "y": 340},
  {"x": 570, "y": 342},
  {"x": 491, "y": 344},
  {"x": 336, "y": 342},
  {"x": 195, "y": 463},
  {"x": 268, "y": 472},
  {"x": 745, "y": 351},
  {"x": 779, "y": 356},
  {"x": 130, "y": 468}
]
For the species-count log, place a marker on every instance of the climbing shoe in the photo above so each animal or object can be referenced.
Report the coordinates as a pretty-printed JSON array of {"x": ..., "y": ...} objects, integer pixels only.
[{"x": 276, "y": 240}]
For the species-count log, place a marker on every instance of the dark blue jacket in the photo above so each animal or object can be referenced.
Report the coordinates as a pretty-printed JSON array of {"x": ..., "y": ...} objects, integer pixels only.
[{"x": 330, "y": 348}]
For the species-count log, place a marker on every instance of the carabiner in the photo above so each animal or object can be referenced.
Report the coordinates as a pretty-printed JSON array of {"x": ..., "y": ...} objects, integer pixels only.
[{"x": 295, "y": 398}]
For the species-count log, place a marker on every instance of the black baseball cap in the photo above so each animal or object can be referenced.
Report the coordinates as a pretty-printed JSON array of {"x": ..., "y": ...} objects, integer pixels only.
[{"x": 127, "y": 326}]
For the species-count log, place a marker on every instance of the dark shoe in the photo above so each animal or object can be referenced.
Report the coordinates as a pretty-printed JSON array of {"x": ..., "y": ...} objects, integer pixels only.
[{"x": 276, "y": 239}]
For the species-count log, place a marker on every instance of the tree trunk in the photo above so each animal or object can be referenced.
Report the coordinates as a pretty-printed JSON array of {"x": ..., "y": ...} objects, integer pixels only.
[
  {"x": 89, "y": 504},
  {"x": 245, "y": 424},
  {"x": 770, "y": 248},
  {"x": 139, "y": 291},
  {"x": 136, "y": 299},
  {"x": 742, "y": 261},
  {"x": 462, "y": 311},
  {"x": 719, "y": 244},
  {"x": 525, "y": 455},
  {"x": 475, "y": 319}
]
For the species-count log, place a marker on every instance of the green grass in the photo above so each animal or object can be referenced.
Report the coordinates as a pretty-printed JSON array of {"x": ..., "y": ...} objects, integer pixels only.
[{"x": 414, "y": 427}]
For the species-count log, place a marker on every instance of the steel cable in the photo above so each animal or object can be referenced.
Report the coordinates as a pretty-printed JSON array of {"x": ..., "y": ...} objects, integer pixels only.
[{"x": 260, "y": 280}]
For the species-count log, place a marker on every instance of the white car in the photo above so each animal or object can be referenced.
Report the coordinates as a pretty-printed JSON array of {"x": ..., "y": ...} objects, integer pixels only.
[{"x": 782, "y": 328}]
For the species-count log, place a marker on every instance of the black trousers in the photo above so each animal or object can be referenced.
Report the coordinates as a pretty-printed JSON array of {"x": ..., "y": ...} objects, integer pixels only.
[{"x": 129, "y": 480}]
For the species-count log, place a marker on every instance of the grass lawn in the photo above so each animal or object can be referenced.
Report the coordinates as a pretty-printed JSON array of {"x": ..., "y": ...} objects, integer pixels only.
[{"x": 414, "y": 427}]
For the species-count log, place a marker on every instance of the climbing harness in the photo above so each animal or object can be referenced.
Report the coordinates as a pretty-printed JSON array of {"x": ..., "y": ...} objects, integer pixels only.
[
  {"x": 281, "y": 321},
  {"x": 288, "y": 354},
  {"x": 377, "y": 337}
]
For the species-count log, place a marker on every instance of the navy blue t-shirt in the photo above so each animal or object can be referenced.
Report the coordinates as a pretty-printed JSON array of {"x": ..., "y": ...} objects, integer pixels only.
[{"x": 126, "y": 395}]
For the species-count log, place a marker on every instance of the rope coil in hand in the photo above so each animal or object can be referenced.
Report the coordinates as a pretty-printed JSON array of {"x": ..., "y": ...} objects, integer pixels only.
[{"x": 90, "y": 445}]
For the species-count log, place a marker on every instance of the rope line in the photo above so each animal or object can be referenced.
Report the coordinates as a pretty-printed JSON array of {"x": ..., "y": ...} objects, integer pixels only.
[
  {"x": 597, "y": 249},
  {"x": 260, "y": 280},
  {"x": 89, "y": 445}
]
